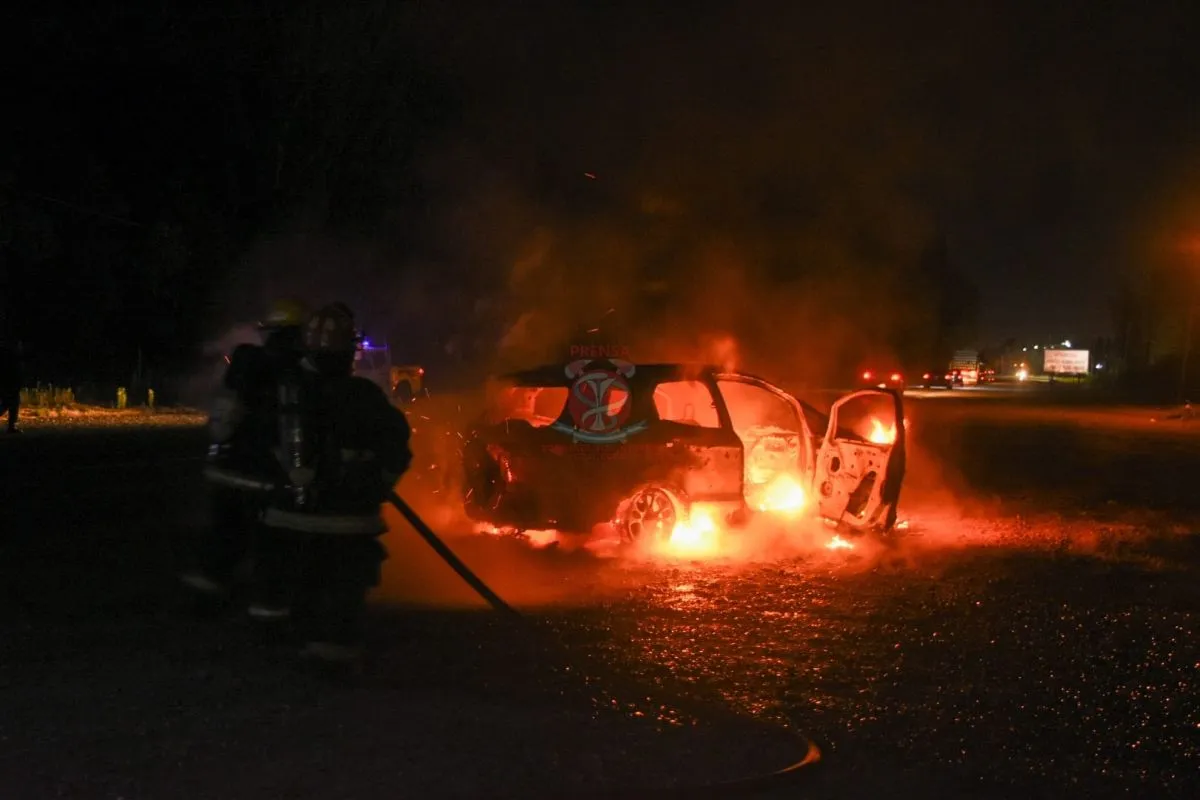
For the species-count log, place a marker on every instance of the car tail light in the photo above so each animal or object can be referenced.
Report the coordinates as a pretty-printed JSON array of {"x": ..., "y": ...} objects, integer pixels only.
[
  {"x": 948, "y": 377},
  {"x": 896, "y": 377},
  {"x": 420, "y": 370},
  {"x": 927, "y": 376},
  {"x": 866, "y": 376}
]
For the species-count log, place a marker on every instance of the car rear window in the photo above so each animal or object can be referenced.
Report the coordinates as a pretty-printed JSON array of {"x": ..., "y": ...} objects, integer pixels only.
[{"x": 688, "y": 402}]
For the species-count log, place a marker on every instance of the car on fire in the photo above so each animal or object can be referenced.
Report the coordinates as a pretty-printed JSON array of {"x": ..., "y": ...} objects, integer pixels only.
[{"x": 640, "y": 446}]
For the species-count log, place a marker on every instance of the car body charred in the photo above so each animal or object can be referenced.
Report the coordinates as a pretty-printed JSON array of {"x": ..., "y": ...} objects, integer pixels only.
[{"x": 641, "y": 446}]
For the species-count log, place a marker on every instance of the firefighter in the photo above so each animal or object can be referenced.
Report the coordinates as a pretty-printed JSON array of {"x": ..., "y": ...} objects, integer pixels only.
[
  {"x": 241, "y": 468},
  {"x": 343, "y": 447},
  {"x": 10, "y": 383}
]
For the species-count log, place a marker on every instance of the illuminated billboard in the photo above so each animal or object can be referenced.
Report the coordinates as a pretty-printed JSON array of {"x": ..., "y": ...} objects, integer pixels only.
[{"x": 1065, "y": 362}]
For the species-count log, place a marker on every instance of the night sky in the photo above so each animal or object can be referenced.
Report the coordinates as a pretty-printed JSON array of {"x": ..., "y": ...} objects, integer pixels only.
[{"x": 415, "y": 158}]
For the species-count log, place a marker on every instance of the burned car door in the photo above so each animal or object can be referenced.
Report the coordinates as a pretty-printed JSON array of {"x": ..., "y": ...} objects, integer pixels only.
[
  {"x": 776, "y": 437},
  {"x": 861, "y": 462},
  {"x": 694, "y": 441}
]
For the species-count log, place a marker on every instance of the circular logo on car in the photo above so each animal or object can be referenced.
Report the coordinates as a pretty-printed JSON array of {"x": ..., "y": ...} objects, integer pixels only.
[{"x": 599, "y": 402}]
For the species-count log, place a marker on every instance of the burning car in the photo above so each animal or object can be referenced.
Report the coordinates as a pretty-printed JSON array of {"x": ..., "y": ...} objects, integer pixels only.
[{"x": 640, "y": 446}]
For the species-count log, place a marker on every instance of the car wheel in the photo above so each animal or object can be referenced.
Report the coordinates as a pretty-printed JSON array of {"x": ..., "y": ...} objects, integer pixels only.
[{"x": 649, "y": 513}]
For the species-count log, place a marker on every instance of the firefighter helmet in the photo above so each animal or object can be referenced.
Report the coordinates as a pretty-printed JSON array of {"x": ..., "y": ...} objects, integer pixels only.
[
  {"x": 331, "y": 330},
  {"x": 285, "y": 314}
]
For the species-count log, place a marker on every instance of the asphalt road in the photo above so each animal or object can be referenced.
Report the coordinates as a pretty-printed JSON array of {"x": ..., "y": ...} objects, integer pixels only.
[{"x": 1033, "y": 634}]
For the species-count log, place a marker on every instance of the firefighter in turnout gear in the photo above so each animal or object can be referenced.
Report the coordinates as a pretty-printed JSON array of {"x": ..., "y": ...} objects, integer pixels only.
[
  {"x": 241, "y": 468},
  {"x": 10, "y": 383},
  {"x": 342, "y": 446}
]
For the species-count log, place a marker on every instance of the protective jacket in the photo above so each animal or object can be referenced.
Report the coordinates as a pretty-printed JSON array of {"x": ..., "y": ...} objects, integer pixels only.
[
  {"x": 243, "y": 425},
  {"x": 342, "y": 446}
]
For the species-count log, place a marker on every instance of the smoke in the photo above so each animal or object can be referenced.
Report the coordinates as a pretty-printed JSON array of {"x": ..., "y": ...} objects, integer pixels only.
[
  {"x": 771, "y": 172},
  {"x": 656, "y": 181},
  {"x": 198, "y": 388}
]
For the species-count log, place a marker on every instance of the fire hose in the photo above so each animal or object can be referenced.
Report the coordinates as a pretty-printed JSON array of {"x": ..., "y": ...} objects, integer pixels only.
[{"x": 747, "y": 786}]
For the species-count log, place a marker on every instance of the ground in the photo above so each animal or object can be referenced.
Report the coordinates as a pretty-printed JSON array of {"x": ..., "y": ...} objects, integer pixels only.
[{"x": 1033, "y": 634}]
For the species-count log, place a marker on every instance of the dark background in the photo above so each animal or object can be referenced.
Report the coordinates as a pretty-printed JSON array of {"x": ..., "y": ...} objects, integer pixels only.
[{"x": 488, "y": 181}]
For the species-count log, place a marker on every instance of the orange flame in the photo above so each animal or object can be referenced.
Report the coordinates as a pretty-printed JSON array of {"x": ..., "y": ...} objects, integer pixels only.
[
  {"x": 542, "y": 538},
  {"x": 698, "y": 536},
  {"x": 783, "y": 495},
  {"x": 538, "y": 539},
  {"x": 838, "y": 543},
  {"x": 881, "y": 434}
]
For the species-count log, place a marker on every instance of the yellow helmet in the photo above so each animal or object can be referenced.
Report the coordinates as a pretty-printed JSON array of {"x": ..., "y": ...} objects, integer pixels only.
[{"x": 286, "y": 314}]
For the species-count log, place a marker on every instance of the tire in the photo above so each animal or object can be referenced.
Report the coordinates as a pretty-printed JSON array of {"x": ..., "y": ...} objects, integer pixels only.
[{"x": 651, "y": 512}]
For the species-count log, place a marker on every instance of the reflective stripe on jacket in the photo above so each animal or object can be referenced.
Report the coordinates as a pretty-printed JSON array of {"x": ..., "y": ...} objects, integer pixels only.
[
  {"x": 233, "y": 479},
  {"x": 303, "y": 522}
]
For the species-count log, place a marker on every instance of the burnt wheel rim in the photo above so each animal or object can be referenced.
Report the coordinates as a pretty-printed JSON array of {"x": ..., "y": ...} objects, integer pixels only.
[{"x": 650, "y": 512}]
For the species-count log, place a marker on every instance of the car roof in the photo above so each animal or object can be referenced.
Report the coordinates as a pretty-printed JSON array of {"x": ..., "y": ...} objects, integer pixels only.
[{"x": 556, "y": 375}]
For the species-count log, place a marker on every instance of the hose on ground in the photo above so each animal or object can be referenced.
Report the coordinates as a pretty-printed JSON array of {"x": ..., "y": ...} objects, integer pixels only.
[{"x": 739, "y": 787}]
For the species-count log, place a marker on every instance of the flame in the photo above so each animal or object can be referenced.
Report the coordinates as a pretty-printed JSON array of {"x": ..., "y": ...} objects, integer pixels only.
[
  {"x": 537, "y": 539},
  {"x": 784, "y": 495},
  {"x": 542, "y": 538},
  {"x": 697, "y": 536},
  {"x": 838, "y": 543},
  {"x": 881, "y": 434}
]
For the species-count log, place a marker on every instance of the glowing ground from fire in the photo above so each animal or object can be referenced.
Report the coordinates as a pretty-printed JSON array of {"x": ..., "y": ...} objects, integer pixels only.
[
  {"x": 986, "y": 621},
  {"x": 869, "y": 647},
  {"x": 1034, "y": 633}
]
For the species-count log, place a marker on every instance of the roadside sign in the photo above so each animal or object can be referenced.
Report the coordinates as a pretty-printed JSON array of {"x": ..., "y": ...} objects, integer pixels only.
[{"x": 1066, "y": 362}]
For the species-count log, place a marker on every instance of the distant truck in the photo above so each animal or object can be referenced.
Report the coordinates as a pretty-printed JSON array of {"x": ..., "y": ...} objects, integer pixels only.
[
  {"x": 402, "y": 382},
  {"x": 967, "y": 364}
]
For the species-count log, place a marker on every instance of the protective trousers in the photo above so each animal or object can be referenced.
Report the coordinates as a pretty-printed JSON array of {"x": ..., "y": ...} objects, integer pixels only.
[
  {"x": 322, "y": 579},
  {"x": 10, "y": 401},
  {"x": 230, "y": 536}
]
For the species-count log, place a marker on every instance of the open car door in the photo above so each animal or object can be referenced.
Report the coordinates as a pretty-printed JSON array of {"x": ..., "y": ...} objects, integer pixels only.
[
  {"x": 861, "y": 461},
  {"x": 777, "y": 441}
]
